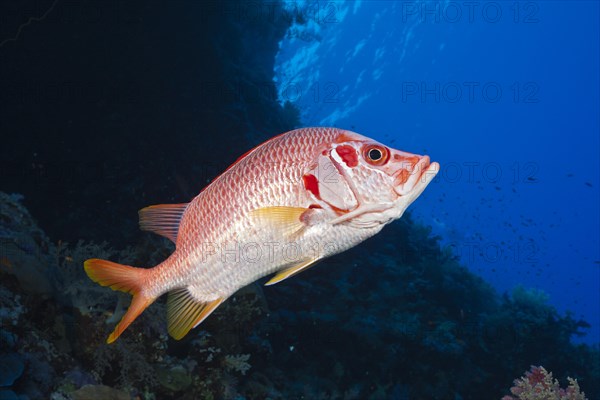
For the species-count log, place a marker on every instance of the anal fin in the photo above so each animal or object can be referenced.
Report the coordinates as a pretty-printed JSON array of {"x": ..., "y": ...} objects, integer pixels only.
[
  {"x": 291, "y": 271},
  {"x": 184, "y": 312}
]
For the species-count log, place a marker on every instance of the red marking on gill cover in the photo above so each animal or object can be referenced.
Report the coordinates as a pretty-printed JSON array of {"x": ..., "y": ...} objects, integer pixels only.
[
  {"x": 348, "y": 154},
  {"x": 311, "y": 184}
]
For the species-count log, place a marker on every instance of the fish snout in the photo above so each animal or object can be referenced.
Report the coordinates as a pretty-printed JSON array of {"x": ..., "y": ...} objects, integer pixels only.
[{"x": 412, "y": 170}]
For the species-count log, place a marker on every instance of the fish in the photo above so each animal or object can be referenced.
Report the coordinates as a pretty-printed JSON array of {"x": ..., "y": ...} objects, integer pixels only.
[{"x": 290, "y": 202}]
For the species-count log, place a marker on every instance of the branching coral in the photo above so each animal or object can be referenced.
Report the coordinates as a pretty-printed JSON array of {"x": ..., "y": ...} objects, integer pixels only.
[
  {"x": 538, "y": 384},
  {"x": 128, "y": 361},
  {"x": 237, "y": 363}
]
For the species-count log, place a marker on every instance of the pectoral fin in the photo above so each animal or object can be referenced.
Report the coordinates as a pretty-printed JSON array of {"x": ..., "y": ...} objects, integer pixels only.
[
  {"x": 285, "y": 221},
  {"x": 291, "y": 271}
]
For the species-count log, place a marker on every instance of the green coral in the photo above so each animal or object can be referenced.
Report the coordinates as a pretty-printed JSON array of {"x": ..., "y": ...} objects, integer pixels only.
[{"x": 175, "y": 378}]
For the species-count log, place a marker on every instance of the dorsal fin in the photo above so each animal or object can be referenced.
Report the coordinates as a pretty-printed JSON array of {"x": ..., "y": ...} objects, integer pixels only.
[
  {"x": 184, "y": 312},
  {"x": 162, "y": 219}
]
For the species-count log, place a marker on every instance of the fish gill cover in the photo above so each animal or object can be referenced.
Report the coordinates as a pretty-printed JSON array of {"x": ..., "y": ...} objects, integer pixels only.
[{"x": 107, "y": 108}]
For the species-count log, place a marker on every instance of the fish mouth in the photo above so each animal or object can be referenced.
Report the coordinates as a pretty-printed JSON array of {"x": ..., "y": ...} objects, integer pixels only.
[{"x": 415, "y": 176}]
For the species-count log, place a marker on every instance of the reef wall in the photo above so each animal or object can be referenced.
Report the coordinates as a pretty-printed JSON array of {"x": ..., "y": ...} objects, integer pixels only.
[{"x": 109, "y": 107}]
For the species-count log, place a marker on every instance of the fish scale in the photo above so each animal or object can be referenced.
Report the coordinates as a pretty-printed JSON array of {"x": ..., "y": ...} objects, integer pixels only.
[
  {"x": 300, "y": 197},
  {"x": 262, "y": 186}
]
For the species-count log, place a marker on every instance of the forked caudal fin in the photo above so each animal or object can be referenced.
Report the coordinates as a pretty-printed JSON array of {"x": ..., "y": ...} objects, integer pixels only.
[{"x": 125, "y": 279}]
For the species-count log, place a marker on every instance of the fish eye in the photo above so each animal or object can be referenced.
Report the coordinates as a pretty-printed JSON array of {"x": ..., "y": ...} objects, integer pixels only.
[{"x": 376, "y": 154}]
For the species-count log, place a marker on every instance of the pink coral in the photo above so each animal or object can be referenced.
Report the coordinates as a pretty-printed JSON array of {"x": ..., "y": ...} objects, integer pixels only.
[{"x": 538, "y": 384}]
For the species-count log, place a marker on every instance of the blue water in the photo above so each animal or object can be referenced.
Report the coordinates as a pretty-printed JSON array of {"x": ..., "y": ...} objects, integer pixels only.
[{"x": 505, "y": 95}]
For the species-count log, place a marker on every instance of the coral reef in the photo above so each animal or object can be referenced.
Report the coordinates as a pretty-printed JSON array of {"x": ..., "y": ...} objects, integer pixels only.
[
  {"x": 238, "y": 363},
  {"x": 24, "y": 246},
  {"x": 99, "y": 392},
  {"x": 538, "y": 384},
  {"x": 422, "y": 325}
]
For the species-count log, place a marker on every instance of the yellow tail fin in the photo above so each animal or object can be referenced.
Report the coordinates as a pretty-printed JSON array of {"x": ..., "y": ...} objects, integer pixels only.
[{"x": 126, "y": 279}]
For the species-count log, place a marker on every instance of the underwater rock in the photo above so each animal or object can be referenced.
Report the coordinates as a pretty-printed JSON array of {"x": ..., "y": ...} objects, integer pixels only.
[
  {"x": 80, "y": 378},
  {"x": 99, "y": 392},
  {"x": 11, "y": 368},
  {"x": 7, "y": 339},
  {"x": 41, "y": 363},
  {"x": 175, "y": 379},
  {"x": 11, "y": 308},
  {"x": 8, "y": 395},
  {"x": 24, "y": 246}
]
